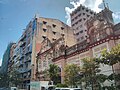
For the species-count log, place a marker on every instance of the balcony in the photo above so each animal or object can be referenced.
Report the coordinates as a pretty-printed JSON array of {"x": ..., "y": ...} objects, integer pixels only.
[
  {"x": 28, "y": 59},
  {"x": 20, "y": 63},
  {"x": 28, "y": 49},
  {"x": 22, "y": 43},
  {"x": 71, "y": 49},
  {"x": 82, "y": 45},
  {"x": 14, "y": 55},
  {"x": 95, "y": 39},
  {"x": 23, "y": 37},
  {"x": 24, "y": 70},
  {"x": 117, "y": 32},
  {"x": 21, "y": 56},
  {"x": 28, "y": 52}
]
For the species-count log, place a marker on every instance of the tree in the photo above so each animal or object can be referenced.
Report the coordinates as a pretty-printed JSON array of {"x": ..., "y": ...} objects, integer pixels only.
[
  {"x": 53, "y": 73},
  {"x": 111, "y": 58},
  {"x": 90, "y": 70},
  {"x": 14, "y": 78},
  {"x": 71, "y": 75},
  {"x": 10, "y": 79},
  {"x": 4, "y": 80}
]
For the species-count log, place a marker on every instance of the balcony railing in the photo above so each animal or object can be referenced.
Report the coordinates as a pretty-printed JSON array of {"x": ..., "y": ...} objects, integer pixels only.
[
  {"x": 71, "y": 49},
  {"x": 76, "y": 47},
  {"x": 23, "y": 37}
]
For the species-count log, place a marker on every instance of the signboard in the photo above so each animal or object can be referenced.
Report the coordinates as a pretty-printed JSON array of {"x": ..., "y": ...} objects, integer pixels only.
[{"x": 35, "y": 85}]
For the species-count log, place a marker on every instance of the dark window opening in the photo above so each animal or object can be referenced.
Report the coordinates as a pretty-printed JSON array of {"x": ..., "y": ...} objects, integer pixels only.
[
  {"x": 73, "y": 24},
  {"x": 54, "y": 25},
  {"x": 80, "y": 20},
  {"x": 83, "y": 13},
  {"x": 54, "y": 32},
  {"x": 62, "y": 28},
  {"x": 53, "y": 39},
  {"x": 72, "y": 19},
  {"x": 44, "y": 37},
  {"x": 83, "y": 8},
  {"x": 76, "y": 23},
  {"x": 87, "y": 10},
  {"x": 84, "y": 19},
  {"x": 77, "y": 28},
  {"x": 75, "y": 12},
  {"x": 88, "y": 15},
  {"x": 81, "y": 31},
  {"x": 62, "y": 34},
  {"x": 75, "y": 17},
  {"x": 44, "y": 22},
  {"x": 91, "y": 12},
  {"x": 77, "y": 33},
  {"x": 44, "y": 29},
  {"x": 79, "y": 15}
]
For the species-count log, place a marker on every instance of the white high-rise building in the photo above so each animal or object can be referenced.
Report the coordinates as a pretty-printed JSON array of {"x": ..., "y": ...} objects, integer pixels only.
[{"x": 78, "y": 18}]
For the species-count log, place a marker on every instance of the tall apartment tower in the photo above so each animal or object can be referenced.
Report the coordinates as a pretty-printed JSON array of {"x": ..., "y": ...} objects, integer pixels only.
[
  {"x": 78, "y": 18},
  {"x": 30, "y": 43},
  {"x": 6, "y": 58}
]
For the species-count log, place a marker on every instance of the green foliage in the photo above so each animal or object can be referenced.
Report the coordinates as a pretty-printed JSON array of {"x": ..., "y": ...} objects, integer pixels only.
[
  {"x": 111, "y": 87},
  {"x": 4, "y": 80},
  {"x": 90, "y": 70},
  {"x": 112, "y": 57},
  {"x": 14, "y": 78},
  {"x": 53, "y": 72},
  {"x": 61, "y": 85},
  {"x": 101, "y": 78},
  {"x": 9, "y": 78},
  {"x": 71, "y": 75}
]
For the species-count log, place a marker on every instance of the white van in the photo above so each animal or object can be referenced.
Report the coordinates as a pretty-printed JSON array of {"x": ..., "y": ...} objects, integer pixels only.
[
  {"x": 13, "y": 88},
  {"x": 68, "y": 89}
]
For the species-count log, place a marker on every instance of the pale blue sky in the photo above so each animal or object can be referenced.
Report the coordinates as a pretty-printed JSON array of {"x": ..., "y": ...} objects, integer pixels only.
[{"x": 16, "y": 14}]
